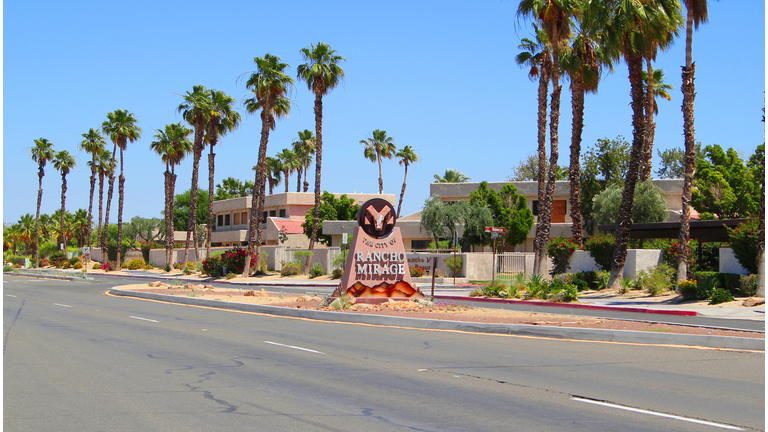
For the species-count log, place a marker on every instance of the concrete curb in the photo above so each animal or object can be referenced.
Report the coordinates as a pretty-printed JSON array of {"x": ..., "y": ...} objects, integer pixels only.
[
  {"x": 43, "y": 276},
  {"x": 736, "y": 343},
  {"x": 573, "y": 305}
]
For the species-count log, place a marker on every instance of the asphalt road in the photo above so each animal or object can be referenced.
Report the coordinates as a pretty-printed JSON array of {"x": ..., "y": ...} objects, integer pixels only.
[{"x": 76, "y": 359}]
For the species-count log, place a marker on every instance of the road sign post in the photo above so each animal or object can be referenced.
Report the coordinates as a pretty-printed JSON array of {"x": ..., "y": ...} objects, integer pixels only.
[{"x": 495, "y": 232}]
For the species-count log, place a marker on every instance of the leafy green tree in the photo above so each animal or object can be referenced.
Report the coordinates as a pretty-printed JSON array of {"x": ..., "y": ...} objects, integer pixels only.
[
  {"x": 181, "y": 205},
  {"x": 377, "y": 147},
  {"x": 433, "y": 217},
  {"x": 146, "y": 229},
  {"x": 509, "y": 210},
  {"x": 724, "y": 187},
  {"x": 649, "y": 204},
  {"x": 604, "y": 164},
  {"x": 452, "y": 176},
  {"x": 672, "y": 164},
  {"x": 331, "y": 208},
  {"x": 41, "y": 154},
  {"x": 528, "y": 170},
  {"x": 476, "y": 217}
]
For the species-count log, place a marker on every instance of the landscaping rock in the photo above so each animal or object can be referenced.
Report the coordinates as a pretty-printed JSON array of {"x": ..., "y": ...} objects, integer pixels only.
[
  {"x": 754, "y": 301},
  {"x": 250, "y": 293},
  {"x": 155, "y": 284}
]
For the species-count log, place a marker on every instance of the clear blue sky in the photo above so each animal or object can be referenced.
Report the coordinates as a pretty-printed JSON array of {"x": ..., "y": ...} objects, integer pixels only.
[{"x": 439, "y": 76}]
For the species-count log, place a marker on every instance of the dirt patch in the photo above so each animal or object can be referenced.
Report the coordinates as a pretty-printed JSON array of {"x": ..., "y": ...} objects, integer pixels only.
[{"x": 449, "y": 311}]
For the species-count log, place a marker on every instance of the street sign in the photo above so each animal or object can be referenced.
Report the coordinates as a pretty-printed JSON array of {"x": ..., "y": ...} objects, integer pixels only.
[
  {"x": 344, "y": 238},
  {"x": 499, "y": 230},
  {"x": 494, "y": 235},
  {"x": 86, "y": 250}
]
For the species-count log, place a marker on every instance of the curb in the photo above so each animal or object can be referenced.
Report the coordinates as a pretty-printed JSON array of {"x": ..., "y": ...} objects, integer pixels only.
[
  {"x": 574, "y": 305},
  {"x": 707, "y": 341},
  {"x": 42, "y": 276}
]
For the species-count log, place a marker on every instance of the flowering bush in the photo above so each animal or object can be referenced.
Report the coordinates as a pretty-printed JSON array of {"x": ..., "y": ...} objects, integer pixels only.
[
  {"x": 213, "y": 266},
  {"x": 178, "y": 265},
  {"x": 58, "y": 258},
  {"x": 234, "y": 260},
  {"x": 560, "y": 250},
  {"x": 78, "y": 265},
  {"x": 417, "y": 271},
  {"x": 670, "y": 254},
  {"x": 107, "y": 266},
  {"x": 135, "y": 264},
  {"x": 600, "y": 248},
  {"x": 688, "y": 289},
  {"x": 744, "y": 239}
]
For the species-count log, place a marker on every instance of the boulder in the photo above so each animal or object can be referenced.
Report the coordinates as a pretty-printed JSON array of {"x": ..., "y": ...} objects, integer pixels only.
[
  {"x": 754, "y": 301},
  {"x": 155, "y": 284}
]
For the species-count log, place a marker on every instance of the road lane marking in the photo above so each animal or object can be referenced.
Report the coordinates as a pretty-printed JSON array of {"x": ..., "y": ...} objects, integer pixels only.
[
  {"x": 642, "y": 411},
  {"x": 294, "y": 347},
  {"x": 143, "y": 319},
  {"x": 9, "y": 295},
  {"x": 62, "y": 305}
]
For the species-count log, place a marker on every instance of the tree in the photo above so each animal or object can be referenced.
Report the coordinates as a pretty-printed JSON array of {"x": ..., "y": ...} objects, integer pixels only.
[
  {"x": 604, "y": 164},
  {"x": 195, "y": 110},
  {"x": 509, "y": 210},
  {"x": 304, "y": 148},
  {"x": 452, "y": 176},
  {"x": 696, "y": 13},
  {"x": 672, "y": 164},
  {"x": 94, "y": 144},
  {"x": 231, "y": 187},
  {"x": 81, "y": 226},
  {"x": 172, "y": 145},
  {"x": 145, "y": 229},
  {"x": 63, "y": 162},
  {"x": 654, "y": 88},
  {"x": 41, "y": 154},
  {"x": 725, "y": 188},
  {"x": 433, "y": 217},
  {"x": 528, "y": 170},
  {"x": 122, "y": 129},
  {"x": 406, "y": 156},
  {"x": 331, "y": 208},
  {"x": 105, "y": 168},
  {"x": 322, "y": 74},
  {"x": 269, "y": 86},
  {"x": 289, "y": 163},
  {"x": 635, "y": 29},
  {"x": 181, "y": 205},
  {"x": 274, "y": 172},
  {"x": 222, "y": 118},
  {"x": 477, "y": 216},
  {"x": 649, "y": 204},
  {"x": 377, "y": 147}
]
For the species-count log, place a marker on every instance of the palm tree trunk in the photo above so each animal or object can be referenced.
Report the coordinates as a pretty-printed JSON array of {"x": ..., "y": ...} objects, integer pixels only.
[
  {"x": 545, "y": 210},
  {"x": 318, "y": 167},
  {"x": 90, "y": 200},
  {"x": 298, "y": 179},
  {"x": 574, "y": 174},
  {"x": 285, "y": 174},
  {"x": 101, "y": 199},
  {"x": 209, "y": 229},
  {"x": 168, "y": 215},
  {"x": 120, "y": 201},
  {"x": 546, "y": 66},
  {"x": 381, "y": 182},
  {"x": 402, "y": 192},
  {"x": 689, "y": 161},
  {"x": 634, "y": 63},
  {"x": 110, "y": 192},
  {"x": 63, "y": 209},
  {"x": 306, "y": 169},
  {"x": 260, "y": 186},
  {"x": 192, "y": 221},
  {"x": 646, "y": 161},
  {"x": 40, "y": 174}
]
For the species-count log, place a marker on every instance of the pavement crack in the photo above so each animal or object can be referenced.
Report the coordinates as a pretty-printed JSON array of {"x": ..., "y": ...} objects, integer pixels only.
[{"x": 8, "y": 333}]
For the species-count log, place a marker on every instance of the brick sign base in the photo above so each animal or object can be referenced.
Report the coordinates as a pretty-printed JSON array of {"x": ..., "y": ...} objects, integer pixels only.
[{"x": 377, "y": 268}]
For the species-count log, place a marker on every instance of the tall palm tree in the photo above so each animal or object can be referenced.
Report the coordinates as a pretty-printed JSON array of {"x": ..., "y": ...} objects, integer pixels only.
[
  {"x": 377, "y": 147},
  {"x": 105, "y": 168},
  {"x": 42, "y": 153},
  {"x": 696, "y": 13},
  {"x": 305, "y": 147},
  {"x": 537, "y": 55},
  {"x": 172, "y": 144},
  {"x": 633, "y": 28},
  {"x": 288, "y": 163},
  {"x": 452, "y": 176},
  {"x": 63, "y": 162},
  {"x": 583, "y": 60},
  {"x": 274, "y": 172},
  {"x": 269, "y": 87},
  {"x": 554, "y": 18},
  {"x": 407, "y": 156},
  {"x": 121, "y": 128},
  {"x": 322, "y": 74},
  {"x": 222, "y": 118},
  {"x": 94, "y": 144}
]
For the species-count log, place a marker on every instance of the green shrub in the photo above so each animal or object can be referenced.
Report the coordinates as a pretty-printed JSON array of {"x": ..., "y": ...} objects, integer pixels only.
[
  {"x": 744, "y": 239},
  {"x": 7, "y": 269},
  {"x": 720, "y": 295},
  {"x": 600, "y": 248},
  {"x": 560, "y": 250},
  {"x": 656, "y": 280},
  {"x": 707, "y": 282},
  {"x": 454, "y": 263},
  {"x": 748, "y": 285},
  {"x": 231, "y": 275},
  {"x": 47, "y": 248},
  {"x": 167, "y": 267},
  {"x": 75, "y": 259},
  {"x": 490, "y": 290},
  {"x": 688, "y": 289},
  {"x": 340, "y": 260},
  {"x": 112, "y": 250},
  {"x": 78, "y": 265},
  {"x": 337, "y": 273},
  {"x": 135, "y": 264},
  {"x": 587, "y": 279},
  {"x": 417, "y": 271},
  {"x": 57, "y": 258},
  {"x": 96, "y": 266},
  {"x": 316, "y": 270},
  {"x": 731, "y": 282},
  {"x": 291, "y": 268},
  {"x": 213, "y": 266},
  {"x": 444, "y": 244}
]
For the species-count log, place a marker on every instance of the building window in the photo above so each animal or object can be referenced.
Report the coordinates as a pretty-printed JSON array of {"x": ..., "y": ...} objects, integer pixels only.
[
  {"x": 244, "y": 217},
  {"x": 237, "y": 219},
  {"x": 535, "y": 208},
  {"x": 272, "y": 213},
  {"x": 420, "y": 244},
  {"x": 282, "y": 212},
  {"x": 221, "y": 220},
  {"x": 226, "y": 220},
  {"x": 264, "y": 217}
]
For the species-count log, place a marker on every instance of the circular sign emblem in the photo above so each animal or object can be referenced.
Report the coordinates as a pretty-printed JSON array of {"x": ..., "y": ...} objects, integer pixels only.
[{"x": 377, "y": 217}]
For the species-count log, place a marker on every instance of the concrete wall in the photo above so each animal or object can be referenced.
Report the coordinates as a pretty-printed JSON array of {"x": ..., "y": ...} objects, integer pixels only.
[
  {"x": 637, "y": 261},
  {"x": 729, "y": 263}
]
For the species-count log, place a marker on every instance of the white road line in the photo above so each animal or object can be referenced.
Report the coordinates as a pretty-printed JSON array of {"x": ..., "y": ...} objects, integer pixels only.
[
  {"x": 294, "y": 347},
  {"x": 143, "y": 319},
  {"x": 62, "y": 305},
  {"x": 9, "y": 295},
  {"x": 670, "y": 416}
]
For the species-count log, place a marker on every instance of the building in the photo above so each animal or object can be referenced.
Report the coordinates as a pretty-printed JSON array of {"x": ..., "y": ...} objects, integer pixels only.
[{"x": 283, "y": 212}]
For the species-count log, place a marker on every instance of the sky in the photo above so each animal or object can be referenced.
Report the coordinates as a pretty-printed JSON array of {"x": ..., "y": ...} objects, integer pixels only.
[{"x": 438, "y": 76}]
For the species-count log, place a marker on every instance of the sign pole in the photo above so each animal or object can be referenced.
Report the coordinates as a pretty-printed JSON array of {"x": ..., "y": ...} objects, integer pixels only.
[
  {"x": 493, "y": 269},
  {"x": 434, "y": 265}
]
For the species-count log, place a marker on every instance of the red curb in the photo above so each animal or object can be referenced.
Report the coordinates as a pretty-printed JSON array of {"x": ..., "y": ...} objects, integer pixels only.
[{"x": 575, "y": 306}]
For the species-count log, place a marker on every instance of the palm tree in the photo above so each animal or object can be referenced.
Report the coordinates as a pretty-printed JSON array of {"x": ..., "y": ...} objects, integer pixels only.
[
  {"x": 63, "y": 162},
  {"x": 105, "y": 168},
  {"x": 41, "y": 153},
  {"x": 45, "y": 227},
  {"x": 94, "y": 144},
  {"x": 172, "y": 144},
  {"x": 222, "y": 118},
  {"x": 269, "y": 86},
  {"x": 452, "y": 176},
  {"x": 322, "y": 74},
  {"x": 81, "y": 226},
  {"x": 26, "y": 230},
  {"x": 634, "y": 26},
  {"x": 583, "y": 60},
  {"x": 195, "y": 111},
  {"x": 407, "y": 156},
  {"x": 304, "y": 147},
  {"x": 377, "y": 147},
  {"x": 659, "y": 89},
  {"x": 288, "y": 163},
  {"x": 274, "y": 172},
  {"x": 696, "y": 14},
  {"x": 121, "y": 128},
  {"x": 554, "y": 18}
]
